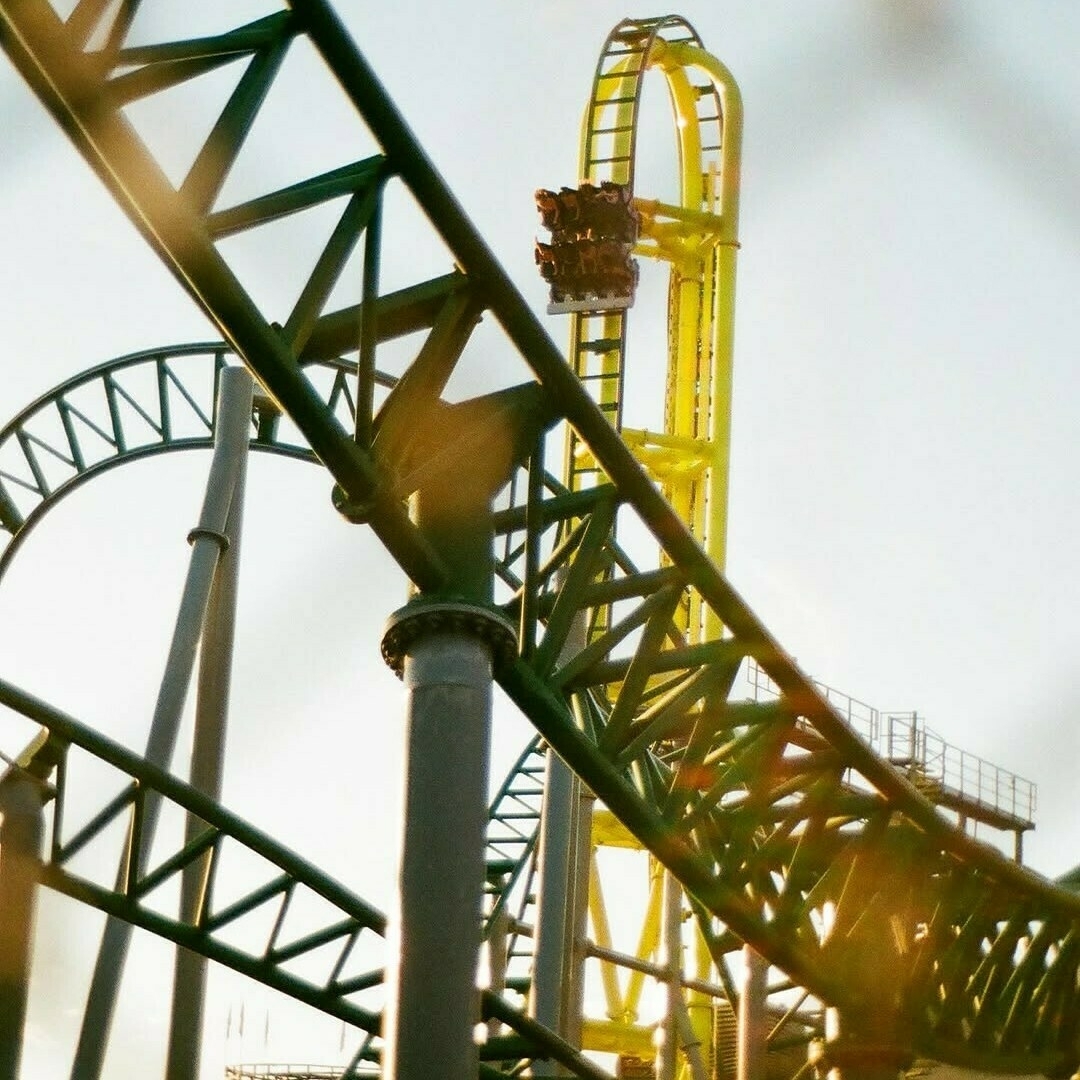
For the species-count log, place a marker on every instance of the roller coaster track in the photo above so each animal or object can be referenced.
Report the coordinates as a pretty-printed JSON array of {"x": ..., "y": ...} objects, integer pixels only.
[
  {"x": 788, "y": 832},
  {"x": 321, "y": 945},
  {"x": 698, "y": 239},
  {"x": 122, "y": 411},
  {"x": 162, "y": 401},
  {"x": 82, "y": 857}
]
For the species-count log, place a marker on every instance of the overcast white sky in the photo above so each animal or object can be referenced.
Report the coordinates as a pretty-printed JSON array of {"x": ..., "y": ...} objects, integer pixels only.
[{"x": 904, "y": 467}]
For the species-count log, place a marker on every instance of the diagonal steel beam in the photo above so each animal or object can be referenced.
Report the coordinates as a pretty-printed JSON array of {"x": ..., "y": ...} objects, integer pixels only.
[{"x": 69, "y": 84}]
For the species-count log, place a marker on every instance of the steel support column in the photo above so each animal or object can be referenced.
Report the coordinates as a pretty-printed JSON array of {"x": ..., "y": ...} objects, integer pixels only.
[
  {"x": 667, "y": 1059},
  {"x": 498, "y": 942},
  {"x": 565, "y": 854},
  {"x": 555, "y": 905},
  {"x": 208, "y": 751},
  {"x": 21, "y": 831},
  {"x": 581, "y": 854},
  {"x": 444, "y": 649},
  {"x": 445, "y": 653},
  {"x": 753, "y": 1018},
  {"x": 208, "y": 541}
]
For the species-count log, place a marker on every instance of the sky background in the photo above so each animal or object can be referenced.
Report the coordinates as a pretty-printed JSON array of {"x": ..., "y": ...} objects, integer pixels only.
[{"x": 904, "y": 505}]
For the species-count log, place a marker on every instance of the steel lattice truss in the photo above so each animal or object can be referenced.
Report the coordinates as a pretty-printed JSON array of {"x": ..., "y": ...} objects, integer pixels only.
[
  {"x": 91, "y": 856},
  {"x": 785, "y": 829},
  {"x": 264, "y": 911},
  {"x": 156, "y": 402}
]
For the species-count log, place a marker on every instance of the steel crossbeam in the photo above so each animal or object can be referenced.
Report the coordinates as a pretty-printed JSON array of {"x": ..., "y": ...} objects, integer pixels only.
[
  {"x": 285, "y": 880},
  {"x": 163, "y": 399},
  {"x": 348, "y": 984},
  {"x": 787, "y": 831}
]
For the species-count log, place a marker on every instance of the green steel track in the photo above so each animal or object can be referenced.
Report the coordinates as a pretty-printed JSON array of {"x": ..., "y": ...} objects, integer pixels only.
[
  {"x": 329, "y": 956},
  {"x": 102, "y": 418},
  {"x": 785, "y": 829}
]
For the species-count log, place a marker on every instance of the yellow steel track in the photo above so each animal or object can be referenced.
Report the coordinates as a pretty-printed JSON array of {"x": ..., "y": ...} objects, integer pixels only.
[{"x": 689, "y": 458}]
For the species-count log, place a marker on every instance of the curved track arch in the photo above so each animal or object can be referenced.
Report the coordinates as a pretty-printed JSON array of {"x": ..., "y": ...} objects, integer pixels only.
[
  {"x": 140, "y": 406},
  {"x": 609, "y": 152},
  {"x": 333, "y": 962},
  {"x": 103, "y": 418},
  {"x": 776, "y": 818},
  {"x": 688, "y": 458},
  {"x": 160, "y": 400},
  {"x": 698, "y": 238}
]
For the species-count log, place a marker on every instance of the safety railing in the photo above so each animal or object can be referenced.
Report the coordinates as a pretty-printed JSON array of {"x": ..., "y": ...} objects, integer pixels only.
[
  {"x": 935, "y": 766},
  {"x": 295, "y": 1072}
]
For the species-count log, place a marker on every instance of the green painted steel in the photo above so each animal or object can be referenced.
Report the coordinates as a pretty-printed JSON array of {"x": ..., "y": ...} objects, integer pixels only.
[
  {"x": 785, "y": 828},
  {"x": 274, "y": 879},
  {"x": 108, "y": 416},
  {"x": 161, "y": 400},
  {"x": 513, "y": 833},
  {"x": 282, "y": 880}
]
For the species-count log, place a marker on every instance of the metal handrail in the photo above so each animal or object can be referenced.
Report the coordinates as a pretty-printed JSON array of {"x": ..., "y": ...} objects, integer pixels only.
[
  {"x": 292, "y": 1072},
  {"x": 904, "y": 740}
]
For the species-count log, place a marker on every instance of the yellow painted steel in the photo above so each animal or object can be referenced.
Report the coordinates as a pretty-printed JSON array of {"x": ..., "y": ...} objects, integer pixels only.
[
  {"x": 689, "y": 459},
  {"x": 608, "y": 1037},
  {"x": 699, "y": 238},
  {"x": 610, "y": 323},
  {"x": 602, "y": 933}
]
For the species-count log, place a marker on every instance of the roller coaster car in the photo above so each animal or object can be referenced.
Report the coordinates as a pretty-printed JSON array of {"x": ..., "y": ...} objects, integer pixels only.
[
  {"x": 606, "y": 212},
  {"x": 587, "y": 275},
  {"x": 588, "y": 264}
]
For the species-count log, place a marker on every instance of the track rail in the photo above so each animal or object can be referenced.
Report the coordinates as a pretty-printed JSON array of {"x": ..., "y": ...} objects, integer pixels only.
[
  {"x": 86, "y": 858},
  {"x": 609, "y": 152},
  {"x": 746, "y": 804},
  {"x": 160, "y": 400},
  {"x": 324, "y": 945}
]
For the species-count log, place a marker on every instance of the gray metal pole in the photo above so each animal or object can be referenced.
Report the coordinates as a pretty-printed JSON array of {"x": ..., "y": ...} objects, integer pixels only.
[
  {"x": 21, "y": 834},
  {"x": 667, "y": 1059},
  {"x": 445, "y": 653},
  {"x": 207, "y": 764},
  {"x": 207, "y": 539},
  {"x": 498, "y": 944},
  {"x": 691, "y": 1042},
  {"x": 753, "y": 1018},
  {"x": 577, "y": 949},
  {"x": 554, "y": 903},
  {"x": 563, "y": 895}
]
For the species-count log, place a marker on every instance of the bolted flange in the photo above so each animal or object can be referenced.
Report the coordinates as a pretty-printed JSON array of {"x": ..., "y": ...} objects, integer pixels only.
[
  {"x": 424, "y": 616},
  {"x": 355, "y": 511},
  {"x": 859, "y": 1057}
]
